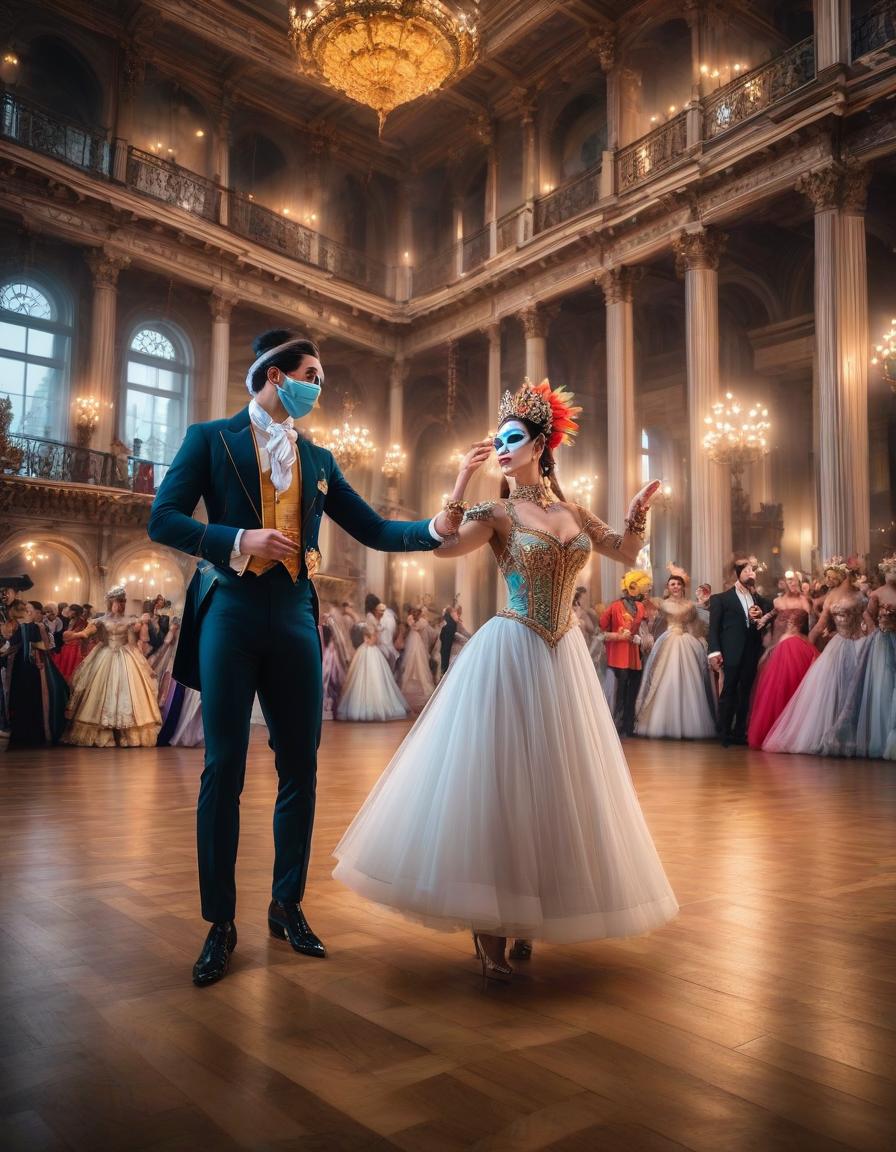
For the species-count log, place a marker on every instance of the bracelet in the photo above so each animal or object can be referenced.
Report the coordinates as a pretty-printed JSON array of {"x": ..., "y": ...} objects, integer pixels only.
[
  {"x": 637, "y": 522},
  {"x": 459, "y": 507}
]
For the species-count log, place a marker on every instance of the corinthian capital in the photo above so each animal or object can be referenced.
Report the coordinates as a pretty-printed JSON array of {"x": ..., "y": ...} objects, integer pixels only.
[
  {"x": 105, "y": 266},
  {"x": 698, "y": 250},
  {"x": 221, "y": 305},
  {"x": 618, "y": 284},
  {"x": 603, "y": 45},
  {"x": 837, "y": 186},
  {"x": 535, "y": 321}
]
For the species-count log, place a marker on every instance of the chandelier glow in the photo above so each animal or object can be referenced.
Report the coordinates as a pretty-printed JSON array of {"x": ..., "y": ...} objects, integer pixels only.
[
  {"x": 394, "y": 462},
  {"x": 350, "y": 444},
  {"x": 382, "y": 53},
  {"x": 884, "y": 355},
  {"x": 736, "y": 437}
]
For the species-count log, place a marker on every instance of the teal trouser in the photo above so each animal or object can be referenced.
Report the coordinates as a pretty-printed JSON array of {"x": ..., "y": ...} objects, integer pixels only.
[{"x": 258, "y": 634}]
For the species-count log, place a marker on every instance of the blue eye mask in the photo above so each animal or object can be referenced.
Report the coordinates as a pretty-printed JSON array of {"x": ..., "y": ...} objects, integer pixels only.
[{"x": 509, "y": 439}]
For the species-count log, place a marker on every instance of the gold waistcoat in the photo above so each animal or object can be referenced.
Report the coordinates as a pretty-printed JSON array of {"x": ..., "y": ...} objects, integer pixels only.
[{"x": 283, "y": 511}]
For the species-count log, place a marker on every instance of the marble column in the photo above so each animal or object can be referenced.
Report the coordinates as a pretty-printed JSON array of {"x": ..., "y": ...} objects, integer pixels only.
[
  {"x": 101, "y": 381},
  {"x": 221, "y": 163},
  {"x": 831, "y": 20},
  {"x": 622, "y": 455},
  {"x": 697, "y": 256},
  {"x": 221, "y": 307},
  {"x": 841, "y": 350},
  {"x": 603, "y": 45},
  {"x": 535, "y": 320},
  {"x": 494, "y": 594},
  {"x": 696, "y": 15},
  {"x": 398, "y": 377}
]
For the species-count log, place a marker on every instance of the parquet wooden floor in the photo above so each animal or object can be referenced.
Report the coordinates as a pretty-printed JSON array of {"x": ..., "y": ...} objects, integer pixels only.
[{"x": 762, "y": 1019}]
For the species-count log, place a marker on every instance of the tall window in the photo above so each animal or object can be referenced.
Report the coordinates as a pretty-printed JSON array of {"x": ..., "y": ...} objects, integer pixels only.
[
  {"x": 35, "y": 344},
  {"x": 645, "y": 457},
  {"x": 156, "y": 385}
]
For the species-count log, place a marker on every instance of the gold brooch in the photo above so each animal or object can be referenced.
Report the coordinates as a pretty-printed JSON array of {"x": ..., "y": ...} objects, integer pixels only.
[
  {"x": 312, "y": 562},
  {"x": 323, "y": 486}
]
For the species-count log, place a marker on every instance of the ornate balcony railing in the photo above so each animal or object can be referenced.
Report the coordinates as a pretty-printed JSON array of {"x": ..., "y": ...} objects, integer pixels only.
[
  {"x": 352, "y": 265},
  {"x": 578, "y": 195},
  {"x": 652, "y": 153},
  {"x": 759, "y": 89},
  {"x": 167, "y": 181},
  {"x": 44, "y": 131},
  {"x": 477, "y": 248},
  {"x": 435, "y": 272},
  {"x": 70, "y": 464},
  {"x": 508, "y": 229},
  {"x": 270, "y": 229},
  {"x": 874, "y": 29}
]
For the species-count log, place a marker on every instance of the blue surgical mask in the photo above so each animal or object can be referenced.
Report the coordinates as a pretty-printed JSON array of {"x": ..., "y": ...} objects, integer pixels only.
[{"x": 298, "y": 397}]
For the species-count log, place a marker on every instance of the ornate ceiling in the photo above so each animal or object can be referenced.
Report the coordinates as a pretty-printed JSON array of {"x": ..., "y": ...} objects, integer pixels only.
[{"x": 240, "y": 47}]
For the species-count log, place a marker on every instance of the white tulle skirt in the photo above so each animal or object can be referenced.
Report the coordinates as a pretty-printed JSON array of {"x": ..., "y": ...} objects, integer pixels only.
[
  {"x": 808, "y": 724},
  {"x": 509, "y": 807},
  {"x": 370, "y": 691}
]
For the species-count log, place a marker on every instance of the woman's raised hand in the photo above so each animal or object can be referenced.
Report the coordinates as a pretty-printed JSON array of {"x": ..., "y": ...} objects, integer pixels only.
[{"x": 476, "y": 457}]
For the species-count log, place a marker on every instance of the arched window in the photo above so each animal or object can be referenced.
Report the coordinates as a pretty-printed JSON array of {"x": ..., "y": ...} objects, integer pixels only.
[
  {"x": 35, "y": 350},
  {"x": 157, "y": 376},
  {"x": 645, "y": 456}
]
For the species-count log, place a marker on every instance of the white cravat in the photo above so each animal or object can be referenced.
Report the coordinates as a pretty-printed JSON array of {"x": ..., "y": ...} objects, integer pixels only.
[{"x": 279, "y": 442}]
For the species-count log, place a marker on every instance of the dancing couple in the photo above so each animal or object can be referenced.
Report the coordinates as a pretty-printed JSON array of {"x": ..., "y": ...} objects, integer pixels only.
[{"x": 508, "y": 809}]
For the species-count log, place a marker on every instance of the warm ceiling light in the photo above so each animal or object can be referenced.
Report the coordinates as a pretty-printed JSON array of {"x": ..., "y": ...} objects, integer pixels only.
[
  {"x": 199, "y": 133},
  {"x": 383, "y": 53},
  {"x": 10, "y": 58}
]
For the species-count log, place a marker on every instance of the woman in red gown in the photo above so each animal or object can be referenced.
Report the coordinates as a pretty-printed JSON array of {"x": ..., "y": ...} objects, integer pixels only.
[
  {"x": 780, "y": 673},
  {"x": 73, "y": 648}
]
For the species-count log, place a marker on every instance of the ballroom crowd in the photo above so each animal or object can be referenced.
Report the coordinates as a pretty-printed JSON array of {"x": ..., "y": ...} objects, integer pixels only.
[{"x": 811, "y": 669}]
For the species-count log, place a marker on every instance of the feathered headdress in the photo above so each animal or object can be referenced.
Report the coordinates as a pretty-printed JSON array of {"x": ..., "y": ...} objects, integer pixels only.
[
  {"x": 119, "y": 592},
  {"x": 888, "y": 565},
  {"x": 839, "y": 565},
  {"x": 679, "y": 573},
  {"x": 550, "y": 409}
]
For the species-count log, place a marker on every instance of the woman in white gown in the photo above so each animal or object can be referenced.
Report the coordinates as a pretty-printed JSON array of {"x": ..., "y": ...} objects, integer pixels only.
[
  {"x": 676, "y": 699},
  {"x": 416, "y": 680},
  {"x": 509, "y": 808},
  {"x": 809, "y": 722},
  {"x": 370, "y": 691}
]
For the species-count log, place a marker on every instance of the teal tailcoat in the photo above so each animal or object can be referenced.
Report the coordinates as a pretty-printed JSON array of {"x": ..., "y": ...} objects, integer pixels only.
[{"x": 217, "y": 463}]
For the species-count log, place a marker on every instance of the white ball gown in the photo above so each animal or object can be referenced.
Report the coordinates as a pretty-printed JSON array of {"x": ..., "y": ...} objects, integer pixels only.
[
  {"x": 370, "y": 691},
  {"x": 676, "y": 699},
  {"x": 509, "y": 807},
  {"x": 867, "y": 724},
  {"x": 809, "y": 723}
]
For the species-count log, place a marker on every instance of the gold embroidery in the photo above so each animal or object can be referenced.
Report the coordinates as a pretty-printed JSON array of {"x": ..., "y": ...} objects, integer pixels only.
[
  {"x": 312, "y": 562},
  {"x": 323, "y": 486}
]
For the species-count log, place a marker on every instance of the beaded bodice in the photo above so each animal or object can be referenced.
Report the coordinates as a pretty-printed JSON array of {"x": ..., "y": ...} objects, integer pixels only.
[
  {"x": 117, "y": 629},
  {"x": 680, "y": 614},
  {"x": 847, "y": 617},
  {"x": 797, "y": 618},
  {"x": 541, "y": 571},
  {"x": 886, "y": 617}
]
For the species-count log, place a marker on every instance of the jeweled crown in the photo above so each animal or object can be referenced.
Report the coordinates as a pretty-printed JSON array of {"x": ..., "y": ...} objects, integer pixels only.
[{"x": 527, "y": 404}]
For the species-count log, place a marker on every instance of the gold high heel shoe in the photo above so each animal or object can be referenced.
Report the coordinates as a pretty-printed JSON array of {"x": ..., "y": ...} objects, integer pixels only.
[
  {"x": 521, "y": 950},
  {"x": 491, "y": 969}
]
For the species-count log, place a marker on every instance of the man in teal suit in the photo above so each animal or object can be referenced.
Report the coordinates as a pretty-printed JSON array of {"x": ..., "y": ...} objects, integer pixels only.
[{"x": 250, "y": 619}]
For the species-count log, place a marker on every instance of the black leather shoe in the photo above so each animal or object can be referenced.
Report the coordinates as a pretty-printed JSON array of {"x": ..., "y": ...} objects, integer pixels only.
[
  {"x": 215, "y": 955},
  {"x": 287, "y": 922}
]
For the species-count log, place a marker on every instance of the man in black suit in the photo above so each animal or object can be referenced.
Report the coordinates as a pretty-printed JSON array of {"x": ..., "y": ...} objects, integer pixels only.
[
  {"x": 446, "y": 636},
  {"x": 737, "y": 619}
]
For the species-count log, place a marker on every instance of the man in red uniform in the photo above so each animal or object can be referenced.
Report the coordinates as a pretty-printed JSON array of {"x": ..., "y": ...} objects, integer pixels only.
[{"x": 620, "y": 623}]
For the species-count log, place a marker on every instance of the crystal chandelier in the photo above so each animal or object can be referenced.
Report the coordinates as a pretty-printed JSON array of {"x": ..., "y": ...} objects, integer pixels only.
[
  {"x": 350, "y": 443},
  {"x": 382, "y": 53},
  {"x": 32, "y": 555},
  {"x": 885, "y": 355},
  {"x": 736, "y": 437},
  {"x": 582, "y": 490},
  {"x": 394, "y": 462}
]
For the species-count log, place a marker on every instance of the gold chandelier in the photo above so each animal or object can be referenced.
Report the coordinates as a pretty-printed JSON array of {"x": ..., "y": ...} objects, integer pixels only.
[{"x": 382, "y": 53}]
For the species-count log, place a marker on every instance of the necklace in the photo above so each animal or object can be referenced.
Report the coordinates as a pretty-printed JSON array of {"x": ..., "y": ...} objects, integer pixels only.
[{"x": 537, "y": 493}]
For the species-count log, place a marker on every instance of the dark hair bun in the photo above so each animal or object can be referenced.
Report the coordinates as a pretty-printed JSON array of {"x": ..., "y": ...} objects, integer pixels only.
[{"x": 268, "y": 340}]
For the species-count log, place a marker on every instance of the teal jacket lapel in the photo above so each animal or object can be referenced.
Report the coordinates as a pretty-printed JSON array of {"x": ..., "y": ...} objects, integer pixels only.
[{"x": 239, "y": 445}]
